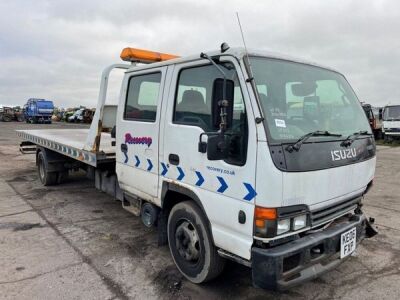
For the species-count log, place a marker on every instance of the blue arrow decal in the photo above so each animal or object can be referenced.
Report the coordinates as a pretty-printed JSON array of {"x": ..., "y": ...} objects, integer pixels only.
[
  {"x": 251, "y": 192},
  {"x": 223, "y": 186},
  {"x": 137, "y": 161},
  {"x": 165, "y": 169},
  {"x": 126, "y": 157},
  {"x": 200, "y": 181},
  {"x": 150, "y": 165},
  {"x": 181, "y": 173}
]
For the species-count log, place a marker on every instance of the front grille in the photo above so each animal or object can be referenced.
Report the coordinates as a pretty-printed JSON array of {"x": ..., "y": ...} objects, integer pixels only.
[{"x": 331, "y": 212}]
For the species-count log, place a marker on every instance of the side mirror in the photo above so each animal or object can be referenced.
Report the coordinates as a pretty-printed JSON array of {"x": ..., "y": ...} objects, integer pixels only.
[
  {"x": 217, "y": 147},
  {"x": 216, "y": 103}
]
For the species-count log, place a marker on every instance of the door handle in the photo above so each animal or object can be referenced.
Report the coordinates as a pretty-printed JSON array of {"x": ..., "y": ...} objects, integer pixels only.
[
  {"x": 124, "y": 147},
  {"x": 173, "y": 159}
]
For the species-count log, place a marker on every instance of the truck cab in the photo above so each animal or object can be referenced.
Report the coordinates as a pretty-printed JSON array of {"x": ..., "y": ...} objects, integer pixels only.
[{"x": 295, "y": 157}]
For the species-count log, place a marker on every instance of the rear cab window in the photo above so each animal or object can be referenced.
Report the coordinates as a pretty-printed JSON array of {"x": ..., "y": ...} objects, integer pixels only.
[{"x": 142, "y": 97}]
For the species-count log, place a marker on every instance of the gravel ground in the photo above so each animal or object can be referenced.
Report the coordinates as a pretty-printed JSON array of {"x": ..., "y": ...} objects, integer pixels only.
[{"x": 74, "y": 242}]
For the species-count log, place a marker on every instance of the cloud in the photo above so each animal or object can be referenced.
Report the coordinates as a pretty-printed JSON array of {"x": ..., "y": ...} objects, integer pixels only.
[{"x": 57, "y": 49}]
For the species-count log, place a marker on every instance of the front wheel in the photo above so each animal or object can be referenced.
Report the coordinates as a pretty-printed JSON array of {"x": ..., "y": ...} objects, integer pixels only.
[{"x": 191, "y": 244}]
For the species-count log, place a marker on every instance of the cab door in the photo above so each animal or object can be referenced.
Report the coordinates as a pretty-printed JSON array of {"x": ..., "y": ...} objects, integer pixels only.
[
  {"x": 137, "y": 132},
  {"x": 225, "y": 188}
]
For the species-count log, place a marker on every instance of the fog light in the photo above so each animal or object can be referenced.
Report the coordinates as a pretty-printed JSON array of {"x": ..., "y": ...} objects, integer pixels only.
[
  {"x": 299, "y": 222},
  {"x": 283, "y": 226}
]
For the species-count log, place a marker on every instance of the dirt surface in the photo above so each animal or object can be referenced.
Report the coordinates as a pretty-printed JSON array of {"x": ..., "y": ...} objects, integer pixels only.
[{"x": 74, "y": 242}]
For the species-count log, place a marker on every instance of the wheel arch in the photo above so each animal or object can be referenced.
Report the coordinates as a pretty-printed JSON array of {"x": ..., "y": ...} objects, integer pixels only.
[{"x": 172, "y": 194}]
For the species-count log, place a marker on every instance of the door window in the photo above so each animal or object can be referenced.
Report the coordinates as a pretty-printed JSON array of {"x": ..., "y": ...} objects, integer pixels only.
[{"x": 142, "y": 97}]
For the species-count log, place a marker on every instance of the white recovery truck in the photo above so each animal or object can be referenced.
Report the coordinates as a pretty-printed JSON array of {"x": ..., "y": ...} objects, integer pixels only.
[{"x": 248, "y": 156}]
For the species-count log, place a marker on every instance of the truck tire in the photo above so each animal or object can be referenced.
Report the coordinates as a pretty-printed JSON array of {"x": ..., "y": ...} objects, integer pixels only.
[
  {"x": 7, "y": 118},
  {"x": 47, "y": 178},
  {"x": 191, "y": 244}
]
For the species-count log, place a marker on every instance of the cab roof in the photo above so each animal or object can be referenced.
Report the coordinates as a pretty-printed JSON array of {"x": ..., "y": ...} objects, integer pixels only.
[{"x": 238, "y": 52}]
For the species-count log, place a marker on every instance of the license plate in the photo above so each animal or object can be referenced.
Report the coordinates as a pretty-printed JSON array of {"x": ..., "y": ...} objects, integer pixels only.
[{"x": 348, "y": 242}]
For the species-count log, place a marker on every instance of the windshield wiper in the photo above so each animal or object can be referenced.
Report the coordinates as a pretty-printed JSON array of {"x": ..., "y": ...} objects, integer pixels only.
[
  {"x": 352, "y": 137},
  {"x": 296, "y": 146}
]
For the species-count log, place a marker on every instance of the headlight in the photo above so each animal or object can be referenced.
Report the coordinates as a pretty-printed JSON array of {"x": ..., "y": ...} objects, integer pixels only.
[
  {"x": 272, "y": 222},
  {"x": 299, "y": 222},
  {"x": 283, "y": 226}
]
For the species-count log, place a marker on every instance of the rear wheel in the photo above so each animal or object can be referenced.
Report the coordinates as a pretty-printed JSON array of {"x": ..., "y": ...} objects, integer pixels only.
[
  {"x": 191, "y": 244},
  {"x": 47, "y": 178}
]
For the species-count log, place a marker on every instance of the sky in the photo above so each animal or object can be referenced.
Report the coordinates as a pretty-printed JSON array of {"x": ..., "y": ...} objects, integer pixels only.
[{"x": 58, "y": 49}]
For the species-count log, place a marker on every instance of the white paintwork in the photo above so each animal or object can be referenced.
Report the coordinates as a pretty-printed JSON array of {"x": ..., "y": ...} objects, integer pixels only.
[
  {"x": 274, "y": 187},
  {"x": 391, "y": 124},
  {"x": 137, "y": 180},
  {"x": 325, "y": 187},
  {"x": 222, "y": 208}
]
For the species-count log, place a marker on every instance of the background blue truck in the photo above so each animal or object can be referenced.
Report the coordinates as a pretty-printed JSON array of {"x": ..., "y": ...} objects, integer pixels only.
[{"x": 38, "y": 110}]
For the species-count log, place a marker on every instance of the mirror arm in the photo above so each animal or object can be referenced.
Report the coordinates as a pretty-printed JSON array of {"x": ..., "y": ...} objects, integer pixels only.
[{"x": 223, "y": 103}]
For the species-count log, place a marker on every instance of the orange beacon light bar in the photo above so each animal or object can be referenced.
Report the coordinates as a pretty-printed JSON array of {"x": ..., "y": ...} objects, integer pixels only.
[{"x": 144, "y": 56}]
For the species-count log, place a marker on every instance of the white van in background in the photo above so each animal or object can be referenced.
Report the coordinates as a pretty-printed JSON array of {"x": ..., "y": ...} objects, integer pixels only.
[{"x": 391, "y": 122}]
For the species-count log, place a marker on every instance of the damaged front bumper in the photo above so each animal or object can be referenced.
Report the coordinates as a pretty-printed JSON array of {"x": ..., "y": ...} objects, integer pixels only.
[{"x": 306, "y": 258}]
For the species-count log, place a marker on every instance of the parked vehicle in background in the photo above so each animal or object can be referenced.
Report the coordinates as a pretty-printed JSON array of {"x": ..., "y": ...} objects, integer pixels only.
[
  {"x": 84, "y": 115},
  {"x": 375, "y": 120},
  {"x": 67, "y": 113},
  {"x": 38, "y": 110},
  {"x": 8, "y": 114},
  {"x": 391, "y": 122},
  {"x": 77, "y": 116},
  {"x": 5, "y": 114}
]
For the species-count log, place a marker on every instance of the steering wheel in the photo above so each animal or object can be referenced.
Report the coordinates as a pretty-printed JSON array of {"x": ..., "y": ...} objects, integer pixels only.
[{"x": 194, "y": 120}]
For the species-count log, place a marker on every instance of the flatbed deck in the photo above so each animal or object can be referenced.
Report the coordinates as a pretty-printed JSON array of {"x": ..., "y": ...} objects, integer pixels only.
[{"x": 70, "y": 142}]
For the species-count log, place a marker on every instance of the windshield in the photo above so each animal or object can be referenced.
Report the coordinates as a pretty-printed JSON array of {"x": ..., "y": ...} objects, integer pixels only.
[
  {"x": 298, "y": 99},
  {"x": 392, "y": 113}
]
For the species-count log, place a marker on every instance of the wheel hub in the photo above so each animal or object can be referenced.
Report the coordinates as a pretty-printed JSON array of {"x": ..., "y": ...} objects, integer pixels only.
[{"x": 187, "y": 241}]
